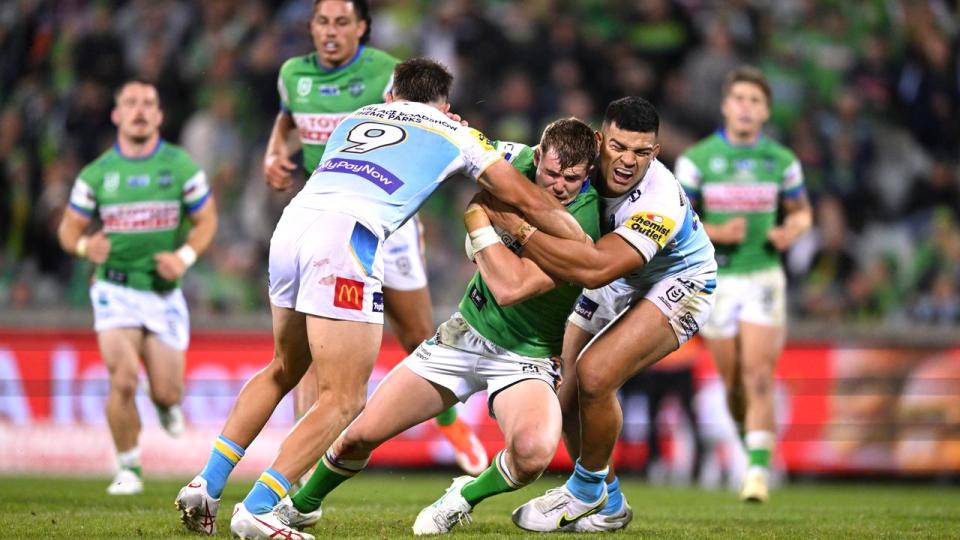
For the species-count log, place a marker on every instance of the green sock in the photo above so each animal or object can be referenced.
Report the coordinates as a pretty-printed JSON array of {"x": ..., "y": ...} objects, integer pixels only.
[
  {"x": 493, "y": 481},
  {"x": 447, "y": 417},
  {"x": 760, "y": 447},
  {"x": 324, "y": 479},
  {"x": 136, "y": 469}
]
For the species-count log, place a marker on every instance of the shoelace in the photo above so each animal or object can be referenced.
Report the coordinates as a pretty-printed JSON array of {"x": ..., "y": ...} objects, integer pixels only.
[{"x": 552, "y": 500}]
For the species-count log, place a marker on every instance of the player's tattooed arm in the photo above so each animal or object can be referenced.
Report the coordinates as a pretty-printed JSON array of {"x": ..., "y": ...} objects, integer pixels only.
[{"x": 798, "y": 220}]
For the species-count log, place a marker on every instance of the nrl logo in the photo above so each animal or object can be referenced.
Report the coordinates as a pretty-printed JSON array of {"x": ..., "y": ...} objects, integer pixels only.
[
  {"x": 303, "y": 86},
  {"x": 111, "y": 181}
]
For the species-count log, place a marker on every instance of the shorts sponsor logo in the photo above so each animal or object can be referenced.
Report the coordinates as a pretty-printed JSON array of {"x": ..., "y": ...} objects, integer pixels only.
[
  {"x": 585, "y": 307},
  {"x": 348, "y": 294},
  {"x": 477, "y": 298},
  {"x": 378, "y": 302},
  {"x": 689, "y": 324},
  {"x": 367, "y": 170},
  {"x": 654, "y": 226}
]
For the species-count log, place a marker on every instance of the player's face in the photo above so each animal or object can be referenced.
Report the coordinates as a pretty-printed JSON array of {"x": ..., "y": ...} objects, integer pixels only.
[
  {"x": 137, "y": 112},
  {"x": 336, "y": 29},
  {"x": 625, "y": 157},
  {"x": 564, "y": 184},
  {"x": 745, "y": 109}
]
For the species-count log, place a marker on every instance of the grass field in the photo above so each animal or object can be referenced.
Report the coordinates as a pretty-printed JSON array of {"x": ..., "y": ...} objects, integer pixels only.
[{"x": 384, "y": 504}]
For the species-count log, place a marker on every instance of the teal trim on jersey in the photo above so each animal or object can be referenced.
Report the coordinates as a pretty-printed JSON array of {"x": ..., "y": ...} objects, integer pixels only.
[
  {"x": 364, "y": 244},
  {"x": 356, "y": 55}
]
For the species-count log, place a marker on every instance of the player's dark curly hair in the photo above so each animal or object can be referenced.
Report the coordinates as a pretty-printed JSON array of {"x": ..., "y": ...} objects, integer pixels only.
[
  {"x": 572, "y": 140},
  {"x": 363, "y": 13},
  {"x": 633, "y": 113},
  {"x": 422, "y": 80}
]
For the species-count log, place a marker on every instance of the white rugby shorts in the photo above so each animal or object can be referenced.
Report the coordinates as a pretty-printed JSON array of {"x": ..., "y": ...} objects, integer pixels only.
[
  {"x": 164, "y": 314},
  {"x": 326, "y": 264},
  {"x": 463, "y": 361},
  {"x": 686, "y": 302},
  {"x": 756, "y": 297},
  {"x": 404, "y": 265}
]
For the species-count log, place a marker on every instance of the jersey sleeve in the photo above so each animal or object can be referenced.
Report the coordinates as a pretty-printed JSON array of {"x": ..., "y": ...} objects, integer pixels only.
[
  {"x": 519, "y": 155},
  {"x": 478, "y": 152},
  {"x": 792, "y": 180},
  {"x": 83, "y": 198},
  {"x": 688, "y": 174},
  {"x": 196, "y": 190},
  {"x": 653, "y": 221},
  {"x": 284, "y": 95}
]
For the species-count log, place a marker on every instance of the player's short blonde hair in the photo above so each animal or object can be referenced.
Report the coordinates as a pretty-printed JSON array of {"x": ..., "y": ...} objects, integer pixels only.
[
  {"x": 572, "y": 140},
  {"x": 748, "y": 74}
]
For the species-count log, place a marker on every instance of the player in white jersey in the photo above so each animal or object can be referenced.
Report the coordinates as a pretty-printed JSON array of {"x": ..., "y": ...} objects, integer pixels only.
[
  {"x": 326, "y": 275},
  {"x": 650, "y": 283}
]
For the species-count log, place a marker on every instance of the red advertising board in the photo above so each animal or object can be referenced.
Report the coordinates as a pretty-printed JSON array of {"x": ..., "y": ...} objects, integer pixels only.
[{"x": 841, "y": 410}]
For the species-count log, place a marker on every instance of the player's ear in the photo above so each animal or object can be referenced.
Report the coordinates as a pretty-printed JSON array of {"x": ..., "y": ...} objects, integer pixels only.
[
  {"x": 536, "y": 156},
  {"x": 115, "y": 117},
  {"x": 445, "y": 108},
  {"x": 388, "y": 98}
]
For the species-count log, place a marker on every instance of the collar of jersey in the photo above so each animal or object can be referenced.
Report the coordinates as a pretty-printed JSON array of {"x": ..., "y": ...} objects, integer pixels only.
[
  {"x": 316, "y": 61},
  {"x": 116, "y": 148},
  {"x": 723, "y": 135}
]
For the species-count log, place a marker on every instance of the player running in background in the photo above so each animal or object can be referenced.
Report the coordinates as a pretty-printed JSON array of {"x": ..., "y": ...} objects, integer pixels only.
[
  {"x": 317, "y": 91},
  {"x": 142, "y": 189},
  {"x": 505, "y": 339},
  {"x": 739, "y": 180},
  {"x": 650, "y": 283},
  {"x": 326, "y": 274}
]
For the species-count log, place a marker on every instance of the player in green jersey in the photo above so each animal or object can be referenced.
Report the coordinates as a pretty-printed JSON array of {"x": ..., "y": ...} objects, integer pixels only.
[
  {"x": 739, "y": 180},
  {"x": 317, "y": 91},
  {"x": 142, "y": 190},
  {"x": 505, "y": 339}
]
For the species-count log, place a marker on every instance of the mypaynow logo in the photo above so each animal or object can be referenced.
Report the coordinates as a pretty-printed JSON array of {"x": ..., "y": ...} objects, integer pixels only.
[{"x": 376, "y": 174}]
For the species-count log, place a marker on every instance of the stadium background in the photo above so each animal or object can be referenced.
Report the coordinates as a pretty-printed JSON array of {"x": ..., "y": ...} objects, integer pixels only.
[{"x": 866, "y": 93}]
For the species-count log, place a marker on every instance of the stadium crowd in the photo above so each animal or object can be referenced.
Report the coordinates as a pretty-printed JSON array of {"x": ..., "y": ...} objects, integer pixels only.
[{"x": 867, "y": 94}]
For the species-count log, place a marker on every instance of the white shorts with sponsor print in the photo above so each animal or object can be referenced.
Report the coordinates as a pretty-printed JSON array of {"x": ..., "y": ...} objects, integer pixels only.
[
  {"x": 404, "y": 266},
  {"x": 686, "y": 301},
  {"x": 164, "y": 314},
  {"x": 326, "y": 264},
  {"x": 460, "y": 359},
  {"x": 756, "y": 297}
]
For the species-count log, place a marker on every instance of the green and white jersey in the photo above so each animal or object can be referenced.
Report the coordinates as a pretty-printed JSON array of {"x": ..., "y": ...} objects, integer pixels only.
[
  {"x": 726, "y": 181},
  {"x": 142, "y": 203},
  {"x": 319, "y": 98},
  {"x": 534, "y": 327}
]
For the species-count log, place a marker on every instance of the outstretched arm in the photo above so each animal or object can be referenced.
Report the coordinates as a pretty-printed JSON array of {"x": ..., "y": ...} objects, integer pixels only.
[{"x": 541, "y": 209}]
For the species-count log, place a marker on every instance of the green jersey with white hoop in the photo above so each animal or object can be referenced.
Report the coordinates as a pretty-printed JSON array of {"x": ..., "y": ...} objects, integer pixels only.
[
  {"x": 142, "y": 203},
  {"x": 728, "y": 180},
  {"x": 318, "y": 98},
  {"x": 534, "y": 327}
]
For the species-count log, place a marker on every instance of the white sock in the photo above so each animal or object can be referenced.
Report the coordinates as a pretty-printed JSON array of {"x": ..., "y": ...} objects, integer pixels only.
[{"x": 130, "y": 458}]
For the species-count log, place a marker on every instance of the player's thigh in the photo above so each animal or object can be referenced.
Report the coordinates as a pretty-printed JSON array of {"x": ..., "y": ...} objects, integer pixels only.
[
  {"x": 410, "y": 315},
  {"x": 165, "y": 366},
  {"x": 635, "y": 340},
  {"x": 343, "y": 354},
  {"x": 402, "y": 400},
  {"x": 529, "y": 415},
  {"x": 120, "y": 349}
]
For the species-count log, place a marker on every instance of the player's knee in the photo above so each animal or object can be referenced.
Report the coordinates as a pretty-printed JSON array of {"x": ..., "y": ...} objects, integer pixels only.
[
  {"x": 166, "y": 396},
  {"x": 284, "y": 374},
  {"x": 530, "y": 455},
  {"x": 593, "y": 383},
  {"x": 759, "y": 382},
  {"x": 124, "y": 384}
]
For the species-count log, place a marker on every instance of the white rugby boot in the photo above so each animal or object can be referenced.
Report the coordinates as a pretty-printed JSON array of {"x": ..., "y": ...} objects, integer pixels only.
[
  {"x": 198, "y": 510},
  {"x": 295, "y": 518},
  {"x": 267, "y": 526},
  {"x": 604, "y": 523},
  {"x": 126, "y": 482},
  {"x": 449, "y": 510},
  {"x": 755, "y": 486},
  {"x": 555, "y": 510}
]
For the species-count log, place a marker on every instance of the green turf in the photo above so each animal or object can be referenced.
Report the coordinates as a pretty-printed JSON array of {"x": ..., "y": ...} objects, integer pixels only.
[{"x": 383, "y": 505}]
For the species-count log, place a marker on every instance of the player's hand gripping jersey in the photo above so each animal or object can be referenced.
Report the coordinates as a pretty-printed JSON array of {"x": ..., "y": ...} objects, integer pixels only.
[
  {"x": 657, "y": 219},
  {"x": 384, "y": 160}
]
